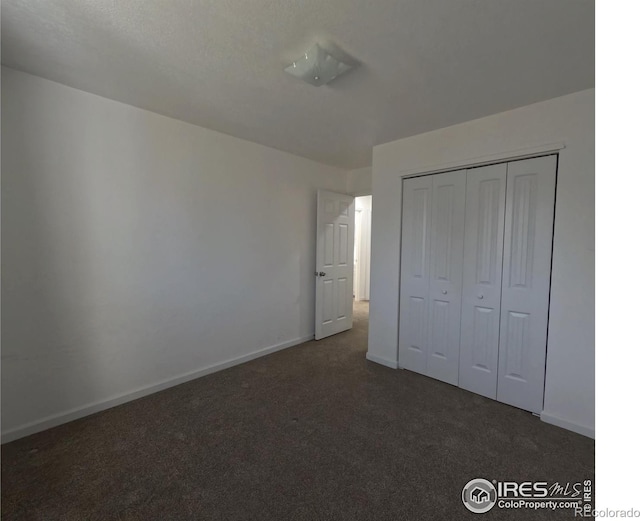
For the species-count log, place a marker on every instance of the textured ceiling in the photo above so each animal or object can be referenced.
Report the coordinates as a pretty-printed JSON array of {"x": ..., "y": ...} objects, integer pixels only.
[{"x": 425, "y": 64}]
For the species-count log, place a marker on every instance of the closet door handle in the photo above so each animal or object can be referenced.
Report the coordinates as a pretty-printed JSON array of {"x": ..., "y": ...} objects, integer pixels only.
[
  {"x": 444, "y": 291},
  {"x": 480, "y": 297}
]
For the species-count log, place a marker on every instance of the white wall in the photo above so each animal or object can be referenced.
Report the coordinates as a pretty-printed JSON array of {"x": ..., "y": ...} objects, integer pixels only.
[
  {"x": 569, "y": 392},
  {"x": 138, "y": 249},
  {"x": 359, "y": 181}
]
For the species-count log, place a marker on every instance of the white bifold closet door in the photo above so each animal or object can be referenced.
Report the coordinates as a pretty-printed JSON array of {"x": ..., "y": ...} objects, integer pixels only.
[
  {"x": 433, "y": 235},
  {"x": 482, "y": 279},
  {"x": 526, "y": 279},
  {"x": 475, "y": 277}
]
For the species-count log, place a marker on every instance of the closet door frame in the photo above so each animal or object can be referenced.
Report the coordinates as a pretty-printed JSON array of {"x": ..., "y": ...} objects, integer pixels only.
[{"x": 552, "y": 149}]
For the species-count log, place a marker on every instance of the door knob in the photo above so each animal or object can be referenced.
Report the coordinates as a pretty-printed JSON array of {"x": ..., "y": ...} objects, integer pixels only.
[
  {"x": 444, "y": 291},
  {"x": 480, "y": 297},
  {"x": 320, "y": 274}
]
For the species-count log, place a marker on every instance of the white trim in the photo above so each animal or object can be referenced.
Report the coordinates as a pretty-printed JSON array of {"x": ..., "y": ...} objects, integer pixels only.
[
  {"x": 393, "y": 364},
  {"x": 568, "y": 424},
  {"x": 498, "y": 157},
  {"x": 85, "y": 410}
]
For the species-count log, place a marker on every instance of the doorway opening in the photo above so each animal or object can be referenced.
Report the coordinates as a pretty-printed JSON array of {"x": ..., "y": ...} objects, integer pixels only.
[{"x": 362, "y": 256}]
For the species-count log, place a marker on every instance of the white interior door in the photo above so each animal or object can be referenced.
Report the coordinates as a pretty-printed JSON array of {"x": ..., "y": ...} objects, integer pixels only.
[
  {"x": 482, "y": 279},
  {"x": 431, "y": 281},
  {"x": 525, "y": 281},
  {"x": 334, "y": 263}
]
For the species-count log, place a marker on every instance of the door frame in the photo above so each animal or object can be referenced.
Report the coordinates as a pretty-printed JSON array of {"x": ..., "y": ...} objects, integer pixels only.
[{"x": 491, "y": 159}]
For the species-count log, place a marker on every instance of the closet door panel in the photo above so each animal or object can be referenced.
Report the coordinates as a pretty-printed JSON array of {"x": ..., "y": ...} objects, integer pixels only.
[
  {"x": 445, "y": 275},
  {"x": 416, "y": 226},
  {"x": 482, "y": 279},
  {"x": 525, "y": 281}
]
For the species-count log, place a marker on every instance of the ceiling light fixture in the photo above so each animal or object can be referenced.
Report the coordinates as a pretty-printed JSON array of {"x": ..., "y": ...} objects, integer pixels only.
[{"x": 317, "y": 67}]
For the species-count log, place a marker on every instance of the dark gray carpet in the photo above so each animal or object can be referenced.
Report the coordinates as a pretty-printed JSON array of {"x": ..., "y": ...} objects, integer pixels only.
[{"x": 314, "y": 432}]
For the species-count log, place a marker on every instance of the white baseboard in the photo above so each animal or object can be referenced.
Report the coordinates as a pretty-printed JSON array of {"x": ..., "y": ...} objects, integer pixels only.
[
  {"x": 85, "y": 410},
  {"x": 393, "y": 364},
  {"x": 567, "y": 424}
]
